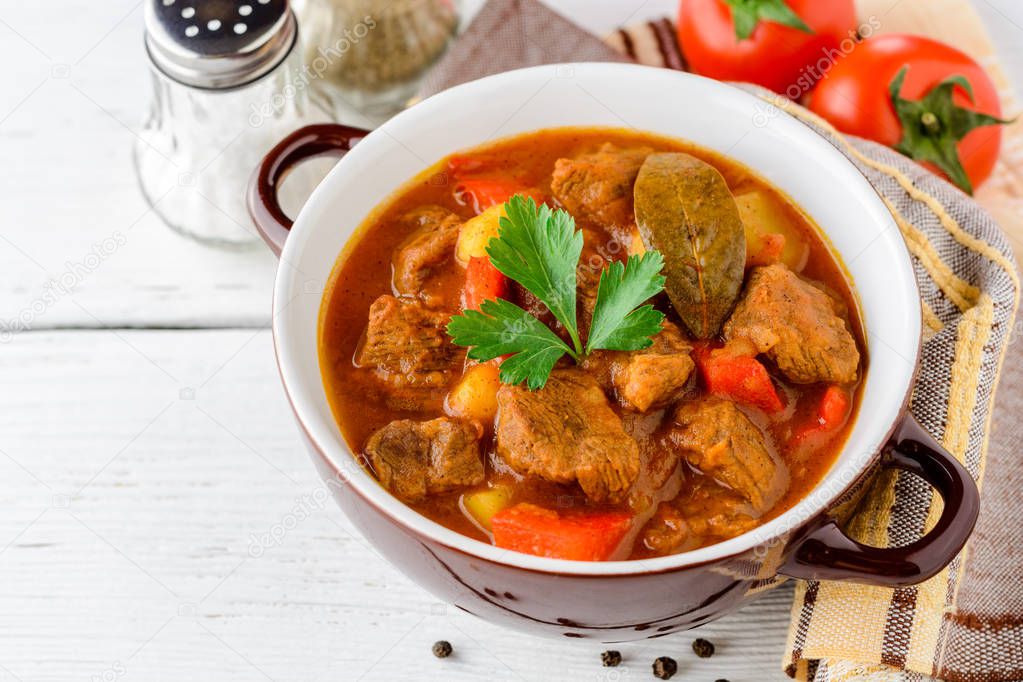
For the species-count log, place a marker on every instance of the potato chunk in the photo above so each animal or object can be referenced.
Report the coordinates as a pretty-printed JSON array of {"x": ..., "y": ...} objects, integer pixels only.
[
  {"x": 476, "y": 233},
  {"x": 475, "y": 394}
]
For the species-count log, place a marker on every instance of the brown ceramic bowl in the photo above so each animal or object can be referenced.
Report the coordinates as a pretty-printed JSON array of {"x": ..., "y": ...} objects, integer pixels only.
[{"x": 622, "y": 600}]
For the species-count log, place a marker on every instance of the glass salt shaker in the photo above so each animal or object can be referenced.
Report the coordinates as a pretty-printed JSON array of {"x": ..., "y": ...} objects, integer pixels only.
[{"x": 228, "y": 83}]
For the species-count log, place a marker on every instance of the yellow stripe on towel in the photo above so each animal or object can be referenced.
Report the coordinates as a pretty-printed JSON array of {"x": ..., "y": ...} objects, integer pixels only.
[
  {"x": 973, "y": 334},
  {"x": 841, "y": 607},
  {"x": 959, "y": 291}
]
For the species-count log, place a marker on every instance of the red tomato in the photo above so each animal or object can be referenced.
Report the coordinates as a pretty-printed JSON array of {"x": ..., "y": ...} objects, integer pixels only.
[
  {"x": 784, "y": 59},
  {"x": 855, "y": 99}
]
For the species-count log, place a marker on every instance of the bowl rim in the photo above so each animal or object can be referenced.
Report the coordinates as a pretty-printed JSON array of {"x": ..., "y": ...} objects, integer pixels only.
[{"x": 369, "y": 490}]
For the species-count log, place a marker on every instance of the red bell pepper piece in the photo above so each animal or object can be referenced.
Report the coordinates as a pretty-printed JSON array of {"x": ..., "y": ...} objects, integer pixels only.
[
  {"x": 834, "y": 408},
  {"x": 460, "y": 166},
  {"x": 832, "y": 414},
  {"x": 591, "y": 536},
  {"x": 739, "y": 377},
  {"x": 483, "y": 281},
  {"x": 483, "y": 192}
]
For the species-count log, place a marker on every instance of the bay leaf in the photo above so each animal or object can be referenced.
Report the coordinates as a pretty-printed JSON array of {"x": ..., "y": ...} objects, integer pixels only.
[{"x": 685, "y": 210}]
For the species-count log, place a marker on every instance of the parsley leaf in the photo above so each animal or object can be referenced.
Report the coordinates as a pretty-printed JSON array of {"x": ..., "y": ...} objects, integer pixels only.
[
  {"x": 618, "y": 324},
  {"x": 539, "y": 249},
  {"x": 500, "y": 327}
]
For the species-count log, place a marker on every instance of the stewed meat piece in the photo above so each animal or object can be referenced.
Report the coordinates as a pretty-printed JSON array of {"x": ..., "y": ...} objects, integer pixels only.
[
  {"x": 720, "y": 441},
  {"x": 415, "y": 459},
  {"x": 430, "y": 246},
  {"x": 407, "y": 346},
  {"x": 647, "y": 378},
  {"x": 598, "y": 186},
  {"x": 567, "y": 432},
  {"x": 795, "y": 324},
  {"x": 700, "y": 513}
]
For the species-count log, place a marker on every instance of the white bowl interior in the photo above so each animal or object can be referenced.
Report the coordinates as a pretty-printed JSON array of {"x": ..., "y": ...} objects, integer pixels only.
[{"x": 711, "y": 114}]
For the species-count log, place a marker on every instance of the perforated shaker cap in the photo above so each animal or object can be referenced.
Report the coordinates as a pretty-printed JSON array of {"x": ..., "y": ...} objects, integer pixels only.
[{"x": 218, "y": 43}]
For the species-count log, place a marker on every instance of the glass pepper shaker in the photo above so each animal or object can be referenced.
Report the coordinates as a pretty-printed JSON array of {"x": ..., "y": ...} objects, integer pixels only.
[
  {"x": 228, "y": 82},
  {"x": 371, "y": 55}
]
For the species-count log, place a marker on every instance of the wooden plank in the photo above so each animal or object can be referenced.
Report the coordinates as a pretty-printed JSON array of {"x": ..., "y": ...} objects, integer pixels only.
[
  {"x": 72, "y": 213},
  {"x": 138, "y": 467}
]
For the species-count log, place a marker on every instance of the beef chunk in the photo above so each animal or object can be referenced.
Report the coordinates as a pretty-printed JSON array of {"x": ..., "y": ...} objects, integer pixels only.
[
  {"x": 647, "y": 378},
  {"x": 795, "y": 324},
  {"x": 666, "y": 532},
  {"x": 431, "y": 245},
  {"x": 721, "y": 442},
  {"x": 699, "y": 516},
  {"x": 598, "y": 186},
  {"x": 407, "y": 345},
  {"x": 654, "y": 376},
  {"x": 415, "y": 459},
  {"x": 716, "y": 513},
  {"x": 567, "y": 432}
]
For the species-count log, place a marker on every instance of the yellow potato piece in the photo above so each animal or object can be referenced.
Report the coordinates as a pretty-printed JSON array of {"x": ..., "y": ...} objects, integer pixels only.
[
  {"x": 476, "y": 233},
  {"x": 475, "y": 394},
  {"x": 484, "y": 504},
  {"x": 761, "y": 216}
]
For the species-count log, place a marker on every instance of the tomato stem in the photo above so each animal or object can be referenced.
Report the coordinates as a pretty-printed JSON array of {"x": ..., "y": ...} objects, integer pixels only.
[
  {"x": 747, "y": 15},
  {"x": 933, "y": 126}
]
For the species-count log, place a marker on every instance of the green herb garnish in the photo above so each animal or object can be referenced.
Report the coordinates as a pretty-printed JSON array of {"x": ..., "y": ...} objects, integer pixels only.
[{"x": 540, "y": 249}]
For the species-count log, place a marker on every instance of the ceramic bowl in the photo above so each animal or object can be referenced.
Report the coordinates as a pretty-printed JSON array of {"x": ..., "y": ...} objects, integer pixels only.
[{"x": 621, "y": 600}]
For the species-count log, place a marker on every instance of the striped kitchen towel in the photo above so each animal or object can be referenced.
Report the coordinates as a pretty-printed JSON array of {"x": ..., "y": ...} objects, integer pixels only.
[{"x": 966, "y": 623}]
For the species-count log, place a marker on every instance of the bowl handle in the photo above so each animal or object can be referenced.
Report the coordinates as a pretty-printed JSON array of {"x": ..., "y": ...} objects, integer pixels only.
[
  {"x": 825, "y": 552},
  {"x": 326, "y": 139}
]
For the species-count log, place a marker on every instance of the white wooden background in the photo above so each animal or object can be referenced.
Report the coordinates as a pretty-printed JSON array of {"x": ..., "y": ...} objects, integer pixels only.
[{"x": 145, "y": 446}]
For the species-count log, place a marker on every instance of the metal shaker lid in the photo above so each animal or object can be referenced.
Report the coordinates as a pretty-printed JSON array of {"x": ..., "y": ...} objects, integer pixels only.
[{"x": 218, "y": 43}]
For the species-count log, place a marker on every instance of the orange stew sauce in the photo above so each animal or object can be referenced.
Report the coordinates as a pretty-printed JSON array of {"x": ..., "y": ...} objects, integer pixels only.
[{"x": 701, "y": 511}]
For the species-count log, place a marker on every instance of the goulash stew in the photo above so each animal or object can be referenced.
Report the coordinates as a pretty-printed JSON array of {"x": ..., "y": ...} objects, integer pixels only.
[{"x": 592, "y": 344}]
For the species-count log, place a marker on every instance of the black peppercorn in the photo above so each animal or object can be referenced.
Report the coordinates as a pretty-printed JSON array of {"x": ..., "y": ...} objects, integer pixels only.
[
  {"x": 665, "y": 667},
  {"x": 442, "y": 649},
  {"x": 703, "y": 648},
  {"x": 611, "y": 659}
]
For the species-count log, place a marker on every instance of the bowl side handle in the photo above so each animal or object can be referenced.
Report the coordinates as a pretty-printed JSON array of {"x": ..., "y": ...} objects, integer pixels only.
[
  {"x": 825, "y": 552},
  {"x": 326, "y": 139}
]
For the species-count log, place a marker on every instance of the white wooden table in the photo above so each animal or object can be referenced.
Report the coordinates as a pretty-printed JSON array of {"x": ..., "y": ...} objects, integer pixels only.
[{"x": 145, "y": 444}]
